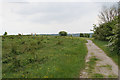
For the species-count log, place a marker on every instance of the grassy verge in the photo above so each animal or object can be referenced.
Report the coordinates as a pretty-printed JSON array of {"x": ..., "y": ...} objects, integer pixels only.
[
  {"x": 91, "y": 67},
  {"x": 43, "y": 56},
  {"x": 107, "y": 50},
  {"x": 97, "y": 75}
]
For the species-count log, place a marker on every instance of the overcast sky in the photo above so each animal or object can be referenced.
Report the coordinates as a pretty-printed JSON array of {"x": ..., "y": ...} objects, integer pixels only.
[{"x": 28, "y": 16}]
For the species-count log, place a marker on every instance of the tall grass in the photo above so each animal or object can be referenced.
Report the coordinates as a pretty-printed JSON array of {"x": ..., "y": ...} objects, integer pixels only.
[
  {"x": 107, "y": 50},
  {"x": 43, "y": 56}
]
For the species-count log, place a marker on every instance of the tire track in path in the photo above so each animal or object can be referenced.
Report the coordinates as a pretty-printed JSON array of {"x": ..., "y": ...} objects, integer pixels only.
[{"x": 98, "y": 64}]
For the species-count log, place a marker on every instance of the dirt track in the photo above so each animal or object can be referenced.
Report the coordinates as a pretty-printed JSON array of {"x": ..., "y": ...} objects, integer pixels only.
[{"x": 104, "y": 65}]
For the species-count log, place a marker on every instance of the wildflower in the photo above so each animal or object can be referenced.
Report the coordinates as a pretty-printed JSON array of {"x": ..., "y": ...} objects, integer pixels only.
[
  {"x": 45, "y": 76},
  {"x": 23, "y": 75},
  {"x": 40, "y": 68}
]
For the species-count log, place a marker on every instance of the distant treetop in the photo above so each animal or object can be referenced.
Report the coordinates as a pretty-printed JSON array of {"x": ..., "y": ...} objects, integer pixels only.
[
  {"x": 63, "y": 33},
  {"x": 5, "y": 33}
]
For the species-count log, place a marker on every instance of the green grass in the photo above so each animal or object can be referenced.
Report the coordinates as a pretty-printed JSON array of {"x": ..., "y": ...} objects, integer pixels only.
[
  {"x": 91, "y": 68},
  {"x": 91, "y": 65},
  {"x": 107, "y": 50},
  {"x": 107, "y": 66},
  {"x": 42, "y": 56},
  {"x": 112, "y": 76},
  {"x": 97, "y": 75}
]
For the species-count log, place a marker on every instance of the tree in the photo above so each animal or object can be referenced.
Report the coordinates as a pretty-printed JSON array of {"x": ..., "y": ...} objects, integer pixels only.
[
  {"x": 86, "y": 35},
  {"x": 103, "y": 31},
  {"x": 81, "y": 35},
  {"x": 19, "y": 34},
  {"x": 63, "y": 33},
  {"x": 107, "y": 21},
  {"x": 114, "y": 40},
  {"x": 108, "y": 14},
  {"x": 109, "y": 28},
  {"x": 5, "y": 33}
]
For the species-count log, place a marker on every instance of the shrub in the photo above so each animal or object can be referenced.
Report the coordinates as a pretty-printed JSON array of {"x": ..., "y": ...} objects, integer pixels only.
[
  {"x": 87, "y": 35},
  {"x": 23, "y": 42},
  {"x": 114, "y": 41},
  {"x": 5, "y": 33},
  {"x": 11, "y": 37},
  {"x": 13, "y": 51},
  {"x": 59, "y": 43},
  {"x": 31, "y": 60},
  {"x": 38, "y": 42},
  {"x": 16, "y": 65},
  {"x": 109, "y": 30},
  {"x": 81, "y": 35},
  {"x": 63, "y": 33},
  {"x": 19, "y": 34},
  {"x": 103, "y": 31}
]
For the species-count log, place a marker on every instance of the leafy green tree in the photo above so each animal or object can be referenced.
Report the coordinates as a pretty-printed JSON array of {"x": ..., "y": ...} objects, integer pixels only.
[
  {"x": 63, "y": 33},
  {"x": 86, "y": 35},
  {"x": 81, "y": 35},
  {"x": 114, "y": 40},
  {"x": 5, "y": 33},
  {"x": 103, "y": 31},
  {"x": 19, "y": 34},
  {"x": 109, "y": 28},
  {"x": 107, "y": 22}
]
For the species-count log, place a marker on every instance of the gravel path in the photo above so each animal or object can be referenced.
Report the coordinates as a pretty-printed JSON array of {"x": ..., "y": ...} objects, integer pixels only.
[{"x": 104, "y": 65}]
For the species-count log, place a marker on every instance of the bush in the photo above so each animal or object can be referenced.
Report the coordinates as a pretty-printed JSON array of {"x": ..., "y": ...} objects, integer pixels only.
[
  {"x": 103, "y": 31},
  {"x": 23, "y": 42},
  {"x": 16, "y": 65},
  {"x": 87, "y": 35},
  {"x": 114, "y": 41},
  {"x": 5, "y": 33},
  {"x": 59, "y": 42},
  {"x": 63, "y": 33},
  {"x": 19, "y": 34},
  {"x": 109, "y": 31},
  {"x": 38, "y": 42},
  {"x": 13, "y": 51},
  {"x": 81, "y": 35}
]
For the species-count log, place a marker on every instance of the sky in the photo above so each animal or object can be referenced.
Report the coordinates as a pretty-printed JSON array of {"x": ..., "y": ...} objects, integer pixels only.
[{"x": 46, "y": 17}]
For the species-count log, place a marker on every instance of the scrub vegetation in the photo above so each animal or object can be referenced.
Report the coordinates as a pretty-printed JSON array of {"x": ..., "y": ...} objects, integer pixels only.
[{"x": 42, "y": 56}]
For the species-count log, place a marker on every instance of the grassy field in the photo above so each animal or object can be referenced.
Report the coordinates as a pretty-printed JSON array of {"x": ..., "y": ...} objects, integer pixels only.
[
  {"x": 42, "y": 56},
  {"x": 107, "y": 50}
]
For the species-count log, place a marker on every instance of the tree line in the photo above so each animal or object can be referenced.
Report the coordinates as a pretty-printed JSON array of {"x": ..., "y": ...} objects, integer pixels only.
[
  {"x": 61, "y": 33},
  {"x": 109, "y": 27},
  {"x": 64, "y": 33}
]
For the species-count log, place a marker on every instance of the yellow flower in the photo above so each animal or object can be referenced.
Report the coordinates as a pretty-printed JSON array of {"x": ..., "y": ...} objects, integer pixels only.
[
  {"x": 45, "y": 76},
  {"x": 23, "y": 75}
]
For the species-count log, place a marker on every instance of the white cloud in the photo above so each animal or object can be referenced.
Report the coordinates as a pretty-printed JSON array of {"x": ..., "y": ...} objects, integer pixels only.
[{"x": 49, "y": 17}]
